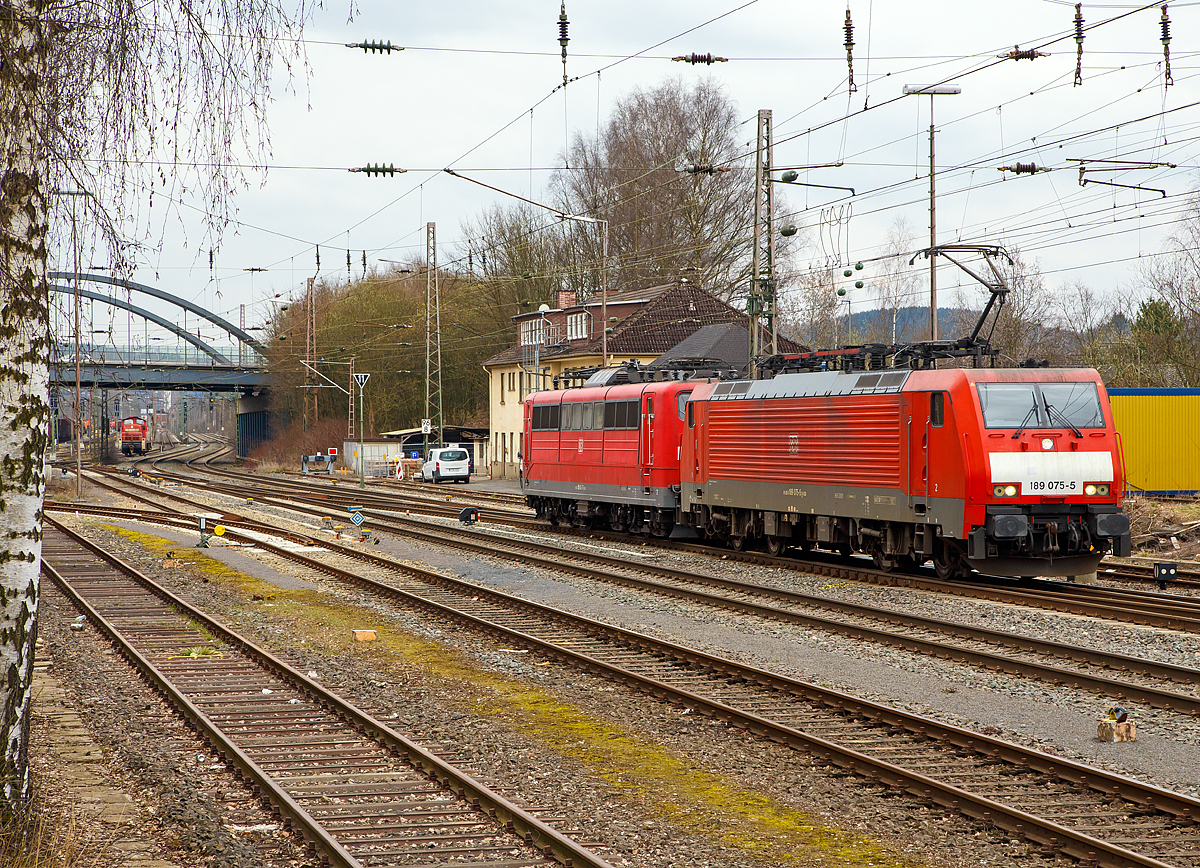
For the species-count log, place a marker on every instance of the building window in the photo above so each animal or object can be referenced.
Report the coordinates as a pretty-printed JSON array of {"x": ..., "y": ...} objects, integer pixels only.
[
  {"x": 576, "y": 326},
  {"x": 533, "y": 332}
]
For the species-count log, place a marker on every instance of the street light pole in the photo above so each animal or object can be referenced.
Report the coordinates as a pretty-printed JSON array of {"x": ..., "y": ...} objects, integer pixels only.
[{"x": 932, "y": 90}]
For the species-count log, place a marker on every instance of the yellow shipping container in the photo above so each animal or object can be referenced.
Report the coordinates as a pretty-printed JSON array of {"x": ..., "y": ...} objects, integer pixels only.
[{"x": 1160, "y": 430}]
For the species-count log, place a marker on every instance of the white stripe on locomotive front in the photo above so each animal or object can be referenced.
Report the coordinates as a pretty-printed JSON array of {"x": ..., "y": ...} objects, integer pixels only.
[{"x": 1028, "y": 467}]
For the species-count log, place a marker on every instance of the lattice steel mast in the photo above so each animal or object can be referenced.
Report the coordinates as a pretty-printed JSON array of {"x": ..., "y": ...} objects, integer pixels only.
[{"x": 761, "y": 304}]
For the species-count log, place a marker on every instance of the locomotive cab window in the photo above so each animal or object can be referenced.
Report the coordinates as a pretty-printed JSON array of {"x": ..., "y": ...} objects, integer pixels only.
[
  {"x": 937, "y": 409},
  {"x": 1040, "y": 405},
  {"x": 1077, "y": 403},
  {"x": 681, "y": 405}
]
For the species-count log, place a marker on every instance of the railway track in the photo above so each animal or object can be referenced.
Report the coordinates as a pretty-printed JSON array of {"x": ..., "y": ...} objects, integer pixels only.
[
  {"x": 1148, "y": 682},
  {"x": 1168, "y": 611},
  {"x": 1091, "y": 600},
  {"x": 359, "y": 793},
  {"x": 1066, "y": 807},
  {"x": 435, "y": 503},
  {"x": 1143, "y": 681}
]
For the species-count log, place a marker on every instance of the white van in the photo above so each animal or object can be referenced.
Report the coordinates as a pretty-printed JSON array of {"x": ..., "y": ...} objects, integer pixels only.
[{"x": 451, "y": 463}]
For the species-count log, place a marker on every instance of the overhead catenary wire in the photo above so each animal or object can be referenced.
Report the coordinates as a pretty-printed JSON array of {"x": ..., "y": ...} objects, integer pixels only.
[{"x": 872, "y": 193}]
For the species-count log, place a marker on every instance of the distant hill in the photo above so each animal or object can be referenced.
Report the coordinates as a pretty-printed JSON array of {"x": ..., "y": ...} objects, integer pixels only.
[{"x": 912, "y": 324}]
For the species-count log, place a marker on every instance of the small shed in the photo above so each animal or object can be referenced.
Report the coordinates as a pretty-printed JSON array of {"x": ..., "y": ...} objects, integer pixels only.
[
  {"x": 1160, "y": 433},
  {"x": 378, "y": 458}
]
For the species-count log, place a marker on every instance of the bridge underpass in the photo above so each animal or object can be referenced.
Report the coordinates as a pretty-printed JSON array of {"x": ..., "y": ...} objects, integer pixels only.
[{"x": 139, "y": 374}]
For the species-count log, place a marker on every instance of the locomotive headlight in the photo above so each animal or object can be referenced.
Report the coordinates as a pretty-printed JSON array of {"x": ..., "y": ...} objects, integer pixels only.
[
  {"x": 1005, "y": 490},
  {"x": 1089, "y": 489}
]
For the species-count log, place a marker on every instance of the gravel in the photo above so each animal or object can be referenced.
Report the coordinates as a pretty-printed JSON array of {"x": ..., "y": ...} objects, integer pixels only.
[{"x": 630, "y": 832}]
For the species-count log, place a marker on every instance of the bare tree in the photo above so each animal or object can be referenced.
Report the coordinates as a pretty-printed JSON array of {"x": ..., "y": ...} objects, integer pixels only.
[
  {"x": 893, "y": 281},
  {"x": 518, "y": 259},
  {"x": 1098, "y": 331},
  {"x": 118, "y": 99},
  {"x": 809, "y": 309},
  {"x": 1167, "y": 326},
  {"x": 662, "y": 217}
]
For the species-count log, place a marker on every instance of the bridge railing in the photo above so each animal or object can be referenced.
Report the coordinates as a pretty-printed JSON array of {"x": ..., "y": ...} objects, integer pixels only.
[{"x": 186, "y": 355}]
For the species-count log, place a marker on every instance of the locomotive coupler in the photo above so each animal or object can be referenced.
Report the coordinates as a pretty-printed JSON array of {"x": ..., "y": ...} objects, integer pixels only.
[{"x": 1052, "y": 537}]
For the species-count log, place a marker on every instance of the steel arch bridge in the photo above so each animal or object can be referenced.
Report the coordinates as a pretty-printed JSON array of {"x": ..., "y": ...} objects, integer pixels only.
[
  {"x": 114, "y": 368},
  {"x": 130, "y": 369}
]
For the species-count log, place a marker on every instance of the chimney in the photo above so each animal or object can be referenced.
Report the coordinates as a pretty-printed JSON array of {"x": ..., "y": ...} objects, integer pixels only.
[{"x": 564, "y": 298}]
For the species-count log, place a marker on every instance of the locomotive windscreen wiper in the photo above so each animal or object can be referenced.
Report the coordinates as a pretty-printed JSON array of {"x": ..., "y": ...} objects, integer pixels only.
[
  {"x": 1025, "y": 421},
  {"x": 1053, "y": 411}
]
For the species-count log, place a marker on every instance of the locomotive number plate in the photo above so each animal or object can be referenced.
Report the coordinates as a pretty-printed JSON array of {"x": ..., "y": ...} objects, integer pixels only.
[{"x": 1052, "y": 485}]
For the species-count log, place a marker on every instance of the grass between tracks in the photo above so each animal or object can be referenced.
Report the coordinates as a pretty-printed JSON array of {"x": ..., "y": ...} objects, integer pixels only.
[{"x": 651, "y": 776}]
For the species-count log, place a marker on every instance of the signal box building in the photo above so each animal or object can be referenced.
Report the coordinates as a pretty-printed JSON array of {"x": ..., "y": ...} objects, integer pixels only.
[{"x": 645, "y": 324}]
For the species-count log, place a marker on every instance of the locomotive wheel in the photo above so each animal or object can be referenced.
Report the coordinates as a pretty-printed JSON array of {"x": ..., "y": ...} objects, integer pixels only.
[
  {"x": 947, "y": 562},
  {"x": 737, "y": 543},
  {"x": 775, "y": 545}
]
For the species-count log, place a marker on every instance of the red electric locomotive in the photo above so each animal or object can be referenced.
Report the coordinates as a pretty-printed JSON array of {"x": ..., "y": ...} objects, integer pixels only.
[
  {"x": 869, "y": 449},
  {"x": 1009, "y": 471},
  {"x": 134, "y": 436},
  {"x": 606, "y": 453}
]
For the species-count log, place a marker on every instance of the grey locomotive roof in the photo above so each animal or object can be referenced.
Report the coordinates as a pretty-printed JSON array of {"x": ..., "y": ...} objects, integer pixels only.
[{"x": 819, "y": 383}]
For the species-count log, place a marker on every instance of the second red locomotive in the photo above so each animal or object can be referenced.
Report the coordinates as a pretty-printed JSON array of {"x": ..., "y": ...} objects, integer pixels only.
[
  {"x": 1008, "y": 471},
  {"x": 134, "y": 436}
]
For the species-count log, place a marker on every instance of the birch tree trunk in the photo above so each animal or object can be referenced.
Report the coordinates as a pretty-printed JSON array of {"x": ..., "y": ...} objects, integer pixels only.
[
  {"x": 24, "y": 354},
  {"x": 98, "y": 97}
]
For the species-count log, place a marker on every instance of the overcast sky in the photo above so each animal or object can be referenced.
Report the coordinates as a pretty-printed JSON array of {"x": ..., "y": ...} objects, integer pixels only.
[{"x": 475, "y": 91}]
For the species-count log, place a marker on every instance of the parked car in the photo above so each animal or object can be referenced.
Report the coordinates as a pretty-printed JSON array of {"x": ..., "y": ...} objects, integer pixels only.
[{"x": 450, "y": 463}]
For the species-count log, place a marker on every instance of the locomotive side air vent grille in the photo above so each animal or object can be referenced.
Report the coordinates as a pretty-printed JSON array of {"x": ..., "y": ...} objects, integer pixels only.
[{"x": 880, "y": 382}]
